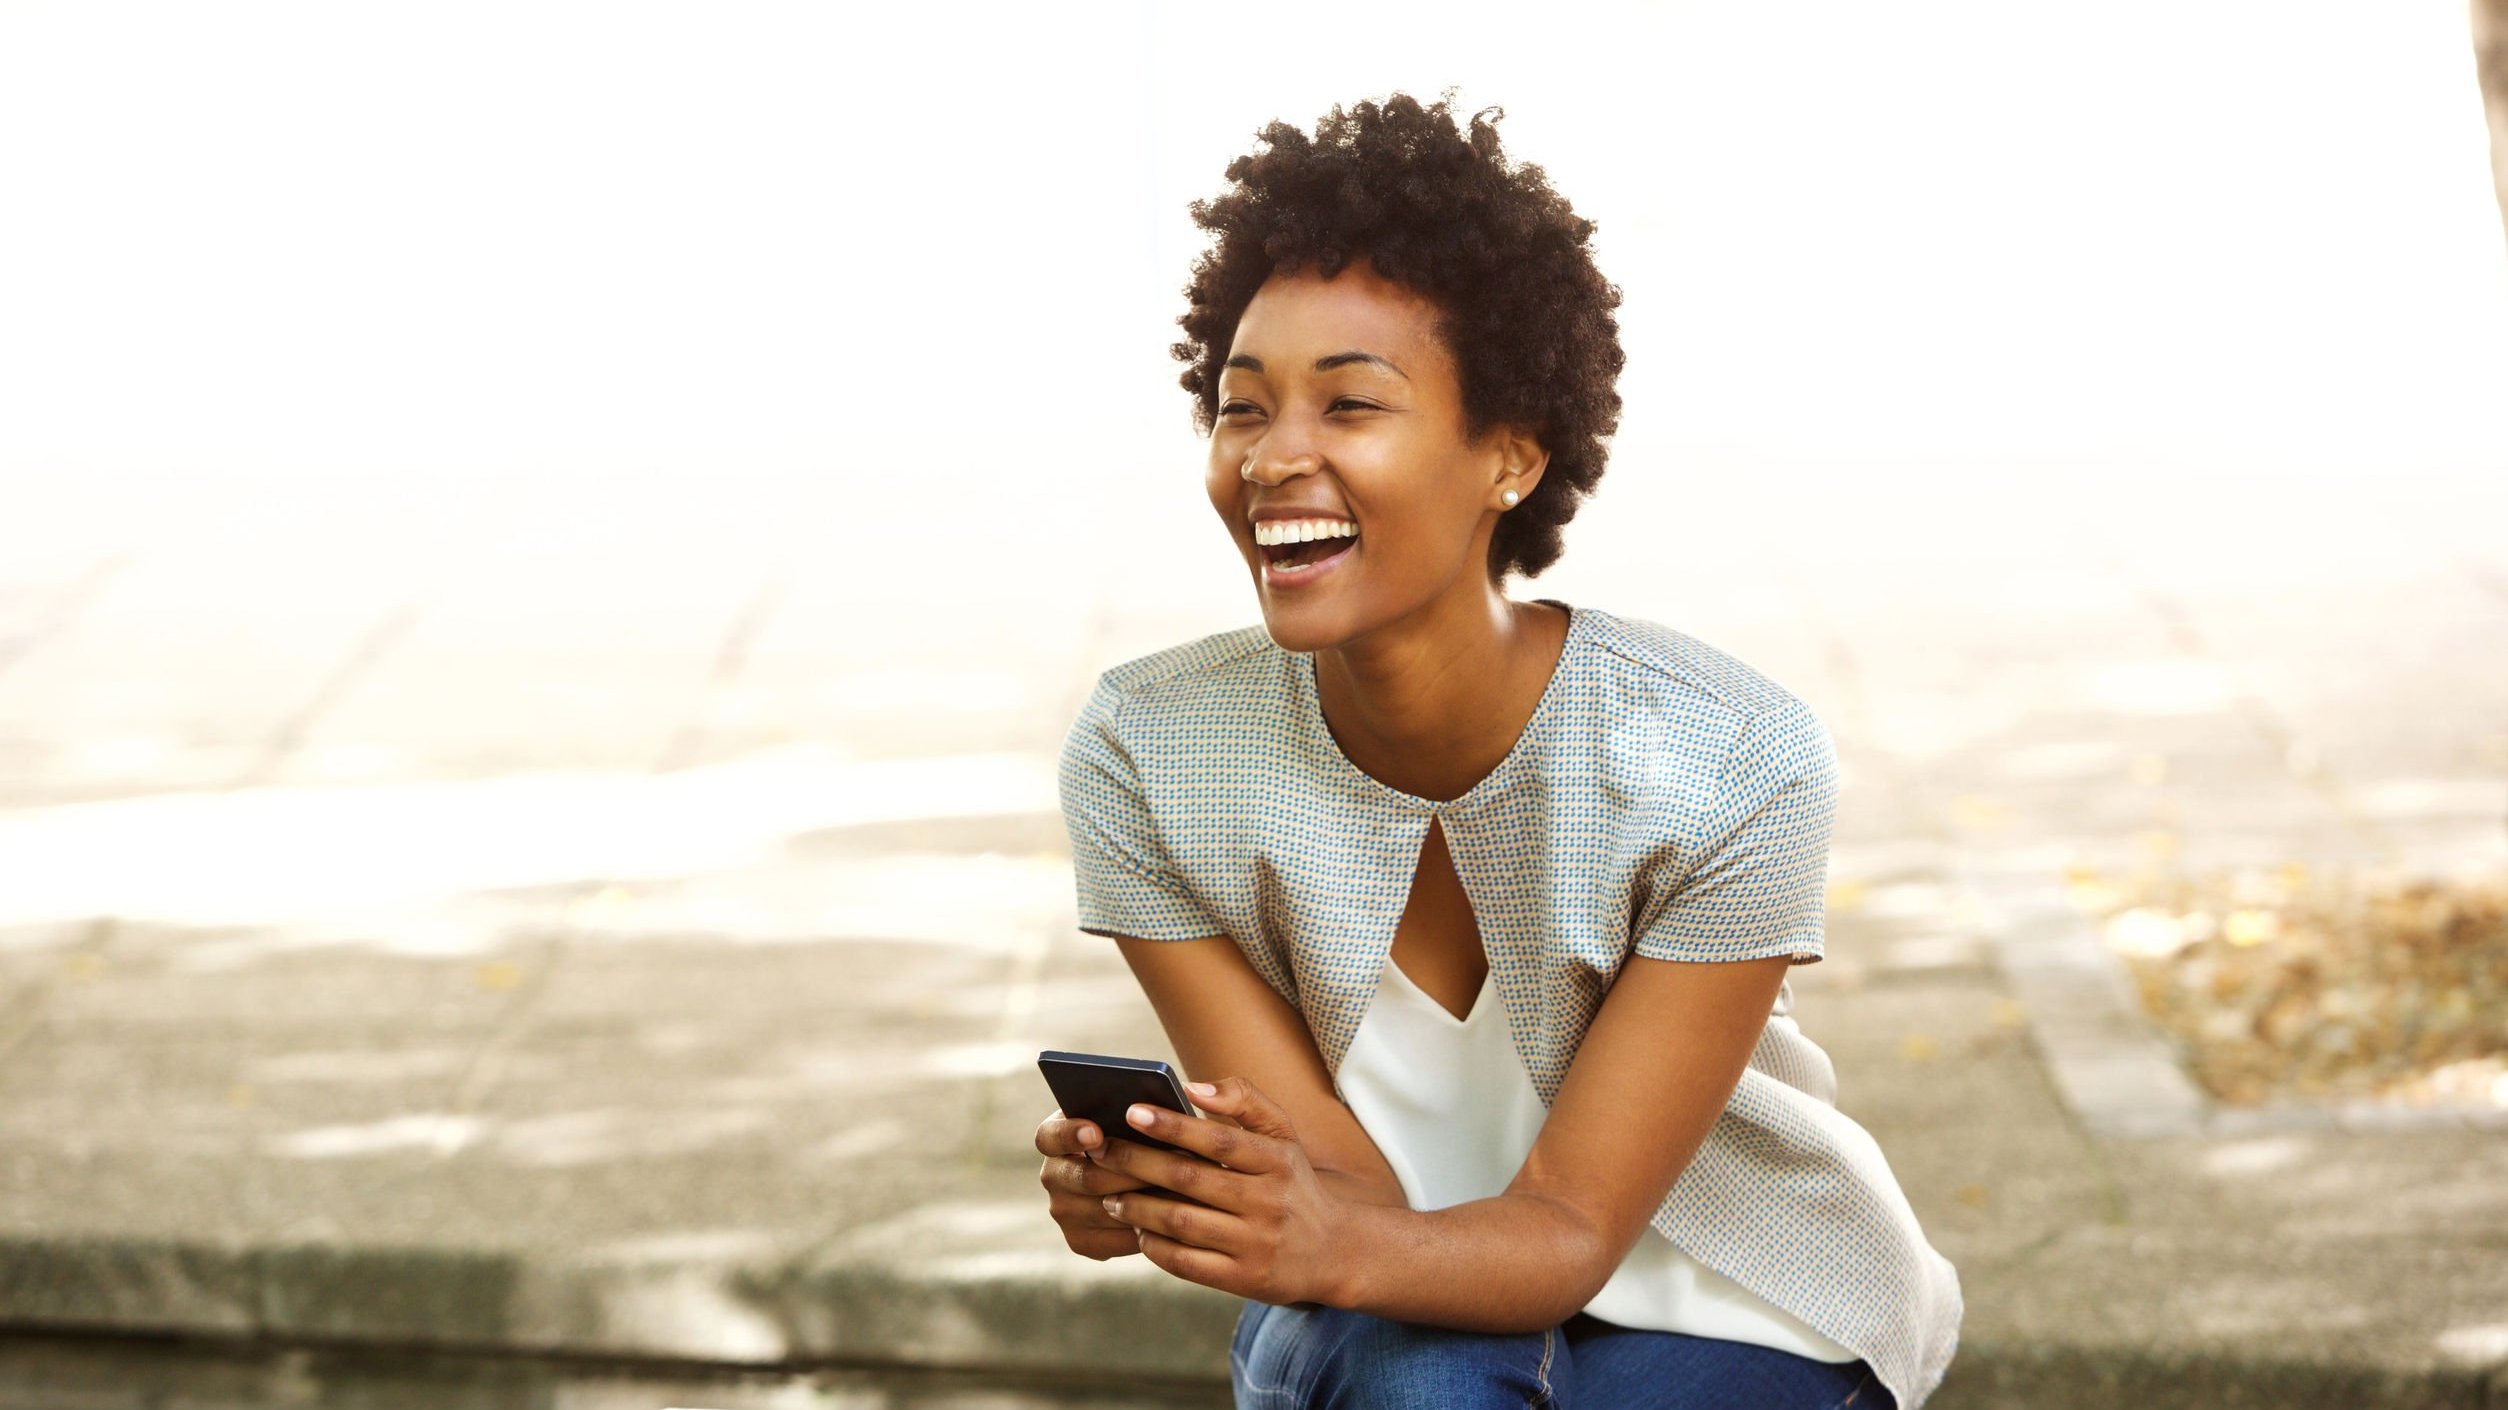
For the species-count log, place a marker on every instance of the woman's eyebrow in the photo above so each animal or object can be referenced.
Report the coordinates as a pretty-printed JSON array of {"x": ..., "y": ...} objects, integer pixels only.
[{"x": 1252, "y": 363}]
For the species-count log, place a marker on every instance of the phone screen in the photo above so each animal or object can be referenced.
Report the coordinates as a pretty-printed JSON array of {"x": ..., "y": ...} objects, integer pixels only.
[{"x": 1098, "y": 1088}]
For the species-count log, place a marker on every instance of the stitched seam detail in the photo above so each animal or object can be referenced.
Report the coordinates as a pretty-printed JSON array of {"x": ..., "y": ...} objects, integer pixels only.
[
  {"x": 1236, "y": 1363},
  {"x": 1253, "y": 1386},
  {"x": 1549, "y": 1344},
  {"x": 1284, "y": 1387}
]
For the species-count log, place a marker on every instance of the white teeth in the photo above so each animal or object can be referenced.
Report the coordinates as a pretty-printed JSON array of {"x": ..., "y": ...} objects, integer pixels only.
[{"x": 1272, "y": 531}]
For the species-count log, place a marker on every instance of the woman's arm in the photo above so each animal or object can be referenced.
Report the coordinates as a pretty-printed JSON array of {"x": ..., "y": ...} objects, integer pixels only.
[
  {"x": 1652, "y": 1075},
  {"x": 1225, "y": 1021}
]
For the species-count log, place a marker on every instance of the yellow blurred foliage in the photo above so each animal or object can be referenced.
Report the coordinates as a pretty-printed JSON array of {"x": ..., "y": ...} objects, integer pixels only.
[
  {"x": 2095, "y": 897},
  {"x": 2309, "y": 985},
  {"x": 2250, "y": 927}
]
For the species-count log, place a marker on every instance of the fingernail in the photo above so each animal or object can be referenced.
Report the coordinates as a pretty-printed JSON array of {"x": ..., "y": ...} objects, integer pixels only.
[
  {"x": 1111, "y": 1204},
  {"x": 1140, "y": 1116},
  {"x": 1087, "y": 1135},
  {"x": 1203, "y": 1089}
]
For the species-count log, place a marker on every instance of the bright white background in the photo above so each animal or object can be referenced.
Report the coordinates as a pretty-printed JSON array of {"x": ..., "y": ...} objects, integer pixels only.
[
  {"x": 946, "y": 249},
  {"x": 417, "y": 397}
]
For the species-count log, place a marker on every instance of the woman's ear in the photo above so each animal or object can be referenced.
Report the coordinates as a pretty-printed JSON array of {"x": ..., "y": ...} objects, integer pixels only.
[{"x": 1521, "y": 460}]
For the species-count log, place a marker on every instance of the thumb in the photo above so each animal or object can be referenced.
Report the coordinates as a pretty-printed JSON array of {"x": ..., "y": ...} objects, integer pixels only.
[{"x": 1238, "y": 1101}]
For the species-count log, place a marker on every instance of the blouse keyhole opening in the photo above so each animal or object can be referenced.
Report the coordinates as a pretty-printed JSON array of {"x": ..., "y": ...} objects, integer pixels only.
[{"x": 1437, "y": 944}]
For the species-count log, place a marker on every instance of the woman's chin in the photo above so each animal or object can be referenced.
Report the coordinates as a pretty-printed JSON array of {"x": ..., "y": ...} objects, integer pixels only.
[{"x": 1297, "y": 624}]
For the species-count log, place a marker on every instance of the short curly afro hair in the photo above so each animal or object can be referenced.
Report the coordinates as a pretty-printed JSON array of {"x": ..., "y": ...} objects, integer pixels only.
[{"x": 1523, "y": 310}]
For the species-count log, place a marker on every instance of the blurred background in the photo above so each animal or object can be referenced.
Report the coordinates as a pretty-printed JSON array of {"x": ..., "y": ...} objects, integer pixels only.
[{"x": 547, "y": 551}]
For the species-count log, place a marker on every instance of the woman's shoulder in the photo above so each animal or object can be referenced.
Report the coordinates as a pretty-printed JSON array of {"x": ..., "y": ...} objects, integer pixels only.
[
  {"x": 1171, "y": 723},
  {"x": 1218, "y": 670},
  {"x": 1670, "y": 675}
]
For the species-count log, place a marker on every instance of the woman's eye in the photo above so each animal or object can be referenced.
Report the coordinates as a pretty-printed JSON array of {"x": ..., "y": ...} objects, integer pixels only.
[{"x": 1353, "y": 403}]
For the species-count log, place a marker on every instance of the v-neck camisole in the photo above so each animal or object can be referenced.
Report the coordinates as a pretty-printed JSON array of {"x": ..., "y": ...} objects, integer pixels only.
[
  {"x": 1447, "y": 1102},
  {"x": 1664, "y": 800}
]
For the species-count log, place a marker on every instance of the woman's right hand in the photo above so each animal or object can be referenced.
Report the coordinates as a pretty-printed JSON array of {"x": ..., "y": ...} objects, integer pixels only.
[{"x": 1075, "y": 1184}]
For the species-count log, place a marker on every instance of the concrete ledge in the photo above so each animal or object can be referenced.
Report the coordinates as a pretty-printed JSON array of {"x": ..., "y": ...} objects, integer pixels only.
[
  {"x": 129, "y": 1284},
  {"x": 2022, "y": 1374},
  {"x": 1077, "y": 1320},
  {"x": 1039, "y": 1338},
  {"x": 55, "y": 1370},
  {"x": 2116, "y": 1071}
]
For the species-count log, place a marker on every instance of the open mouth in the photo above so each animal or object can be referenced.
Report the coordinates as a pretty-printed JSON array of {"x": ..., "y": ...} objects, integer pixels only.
[{"x": 1307, "y": 554}]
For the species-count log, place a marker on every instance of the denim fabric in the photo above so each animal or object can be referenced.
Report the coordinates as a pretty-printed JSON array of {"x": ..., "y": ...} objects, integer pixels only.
[{"x": 1292, "y": 1358}]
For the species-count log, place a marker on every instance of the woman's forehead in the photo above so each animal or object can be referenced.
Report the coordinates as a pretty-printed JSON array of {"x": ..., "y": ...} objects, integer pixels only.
[{"x": 1301, "y": 316}]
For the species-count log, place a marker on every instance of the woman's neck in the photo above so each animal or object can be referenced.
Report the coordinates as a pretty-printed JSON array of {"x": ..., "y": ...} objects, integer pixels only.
[{"x": 1430, "y": 705}]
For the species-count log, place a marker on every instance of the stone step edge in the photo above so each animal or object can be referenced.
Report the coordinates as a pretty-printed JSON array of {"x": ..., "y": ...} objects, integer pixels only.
[{"x": 1020, "y": 1327}]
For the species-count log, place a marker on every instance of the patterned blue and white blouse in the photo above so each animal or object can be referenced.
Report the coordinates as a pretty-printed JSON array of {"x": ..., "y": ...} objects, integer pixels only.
[{"x": 1664, "y": 800}]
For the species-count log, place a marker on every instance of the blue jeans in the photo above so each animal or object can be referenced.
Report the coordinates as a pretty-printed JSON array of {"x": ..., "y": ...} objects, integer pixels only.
[{"x": 1308, "y": 1355}]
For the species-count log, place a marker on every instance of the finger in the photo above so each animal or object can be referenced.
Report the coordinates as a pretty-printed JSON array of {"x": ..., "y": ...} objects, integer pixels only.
[
  {"x": 1063, "y": 1135},
  {"x": 1231, "y": 1146},
  {"x": 1084, "y": 1215},
  {"x": 1086, "y": 1177},
  {"x": 1202, "y": 1092},
  {"x": 1188, "y": 1175},
  {"x": 1208, "y": 1267},
  {"x": 1239, "y": 1099},
  {"x": 1198, "y": 1225},
  {"x": 1121, "y": 1241}
]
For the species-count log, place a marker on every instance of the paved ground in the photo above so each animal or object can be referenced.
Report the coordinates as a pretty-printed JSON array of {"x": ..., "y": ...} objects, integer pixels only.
[{"x": 567, "y": 945}]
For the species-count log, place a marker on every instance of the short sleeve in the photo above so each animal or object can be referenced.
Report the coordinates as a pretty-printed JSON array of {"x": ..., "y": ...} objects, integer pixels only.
[
  {"x": 1759, "y": 886},
  {"x": 1125, "y": 884}
]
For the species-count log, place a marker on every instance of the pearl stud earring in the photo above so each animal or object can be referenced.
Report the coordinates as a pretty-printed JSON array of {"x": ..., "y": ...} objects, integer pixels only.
[{"x": 1510, "y": 497}]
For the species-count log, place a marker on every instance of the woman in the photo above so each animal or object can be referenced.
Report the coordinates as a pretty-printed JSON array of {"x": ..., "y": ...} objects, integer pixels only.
[{"x": 1474, "y": 914}]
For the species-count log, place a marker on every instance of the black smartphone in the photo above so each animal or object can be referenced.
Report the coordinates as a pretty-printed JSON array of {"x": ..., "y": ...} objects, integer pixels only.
[{"x": 1096, "y": 1088}]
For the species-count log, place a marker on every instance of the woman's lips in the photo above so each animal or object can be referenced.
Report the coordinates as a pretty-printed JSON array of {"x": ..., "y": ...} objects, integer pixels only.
[{"x": 1279, "y": 576}]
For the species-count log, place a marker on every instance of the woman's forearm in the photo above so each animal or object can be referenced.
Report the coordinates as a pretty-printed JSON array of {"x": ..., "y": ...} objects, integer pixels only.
[
  {"x": 1509, "y": 1263},
  {"x": 1358, "y": 1189}
]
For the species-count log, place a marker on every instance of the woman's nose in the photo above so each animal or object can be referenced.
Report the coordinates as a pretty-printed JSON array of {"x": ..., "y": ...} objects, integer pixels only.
[{"x": 1268, "y": 465}]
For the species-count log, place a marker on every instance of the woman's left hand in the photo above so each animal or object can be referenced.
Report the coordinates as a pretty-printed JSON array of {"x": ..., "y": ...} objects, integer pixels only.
[{"x": 1264, "y": 1227}]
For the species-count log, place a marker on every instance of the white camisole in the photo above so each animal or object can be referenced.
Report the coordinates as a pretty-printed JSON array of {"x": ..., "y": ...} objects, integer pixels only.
[{"x": 1448, "y": 1102}]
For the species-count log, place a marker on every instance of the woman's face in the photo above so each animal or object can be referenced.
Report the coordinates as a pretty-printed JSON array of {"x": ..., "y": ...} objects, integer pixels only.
[{"x": 1338, "y": 401}]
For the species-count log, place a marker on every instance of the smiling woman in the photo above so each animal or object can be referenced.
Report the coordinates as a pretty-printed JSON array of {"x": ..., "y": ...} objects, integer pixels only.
[
  {"x": 1471, "y": 915},
  {"x": 1483, "y": 278},
  {"x": 1402, "y": 445}
]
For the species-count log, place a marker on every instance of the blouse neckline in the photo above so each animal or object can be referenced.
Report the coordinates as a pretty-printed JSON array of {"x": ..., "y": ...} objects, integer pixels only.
[
  {"x": 1496, "y": 780},
  {"x": 1482, "y": 1000}
]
